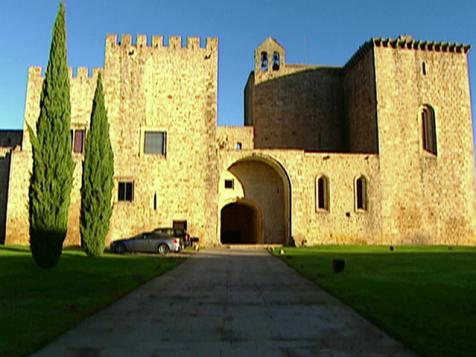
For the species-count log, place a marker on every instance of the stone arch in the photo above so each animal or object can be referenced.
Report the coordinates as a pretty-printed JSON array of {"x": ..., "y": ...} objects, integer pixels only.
[
  {"x": 262, "y": 183},
  {"x": 241, "y": 222}
]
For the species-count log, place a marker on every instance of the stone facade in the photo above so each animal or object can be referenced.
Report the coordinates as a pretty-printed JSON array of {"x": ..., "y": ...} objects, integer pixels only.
[
  {"x": 9, "y": 139},
  {"x": 358, "y": 128}
]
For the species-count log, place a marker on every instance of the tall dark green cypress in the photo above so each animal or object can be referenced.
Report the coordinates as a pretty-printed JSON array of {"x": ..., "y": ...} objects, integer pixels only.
[
  {"x": 52, "y": 173},
  {"x": 97, "y": 182}
]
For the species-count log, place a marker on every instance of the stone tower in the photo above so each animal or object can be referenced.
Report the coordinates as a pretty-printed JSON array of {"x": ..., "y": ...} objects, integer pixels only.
[{"x": 427, "y": 195}]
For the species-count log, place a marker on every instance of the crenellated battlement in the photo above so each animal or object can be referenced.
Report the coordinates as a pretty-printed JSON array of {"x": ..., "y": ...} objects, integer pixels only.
[
  {"x": 157, "y": 41},
  {"x": 74, "y": 73},
  {"x": 407, "y": 42},
  {"x": 35, "y": 71}
]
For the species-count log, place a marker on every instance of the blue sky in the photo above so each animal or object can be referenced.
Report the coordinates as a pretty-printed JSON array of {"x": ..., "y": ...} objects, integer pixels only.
[{"x": 315, "y": 32}]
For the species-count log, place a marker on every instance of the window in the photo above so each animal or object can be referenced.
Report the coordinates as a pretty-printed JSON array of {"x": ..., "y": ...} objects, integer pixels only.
[
  {"x": 238, "y": 146},
  {"x": 179, "y": 225},
  {"x": 276, "y": 61},
  {"x": 322, "y": 193},
  {"x": 77, "y": 140},
  {"x": 428, "y": 129},
  {"x": 126, "y": 191},
  {"x": 155, "y": 201},
  {"x": 423, "y": 68},
  {"x": 155, "y": 142},
  {"x": 361, "y": 194},
  {"x": 264, "y": 61},
  {"x": 229, "y": 184}
]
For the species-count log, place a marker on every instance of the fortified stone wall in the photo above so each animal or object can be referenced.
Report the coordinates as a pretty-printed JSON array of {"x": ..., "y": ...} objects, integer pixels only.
[
  {"x": 153, "y": 87},
  {"x": 228, "y": 137},
  {"x": 4, "y": 175},
  {"x": 147, "y": 87},
  {"x": 248, "y": 95},
  {"x": 360, "y": 102},
  {"x": 371, "y": 109},
  {"x": 82, "y": 87},
  {"x": 17, "y": 224},
  {"x": 342, "y": 223},
  {"x": 9, "y": 140},
  {"x": 426, "y": 198}
]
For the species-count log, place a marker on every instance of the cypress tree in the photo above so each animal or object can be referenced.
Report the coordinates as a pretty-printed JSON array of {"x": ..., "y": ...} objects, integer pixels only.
[
  {"x": 97, "y": 181},
  {"x": 52, "y": 172}
]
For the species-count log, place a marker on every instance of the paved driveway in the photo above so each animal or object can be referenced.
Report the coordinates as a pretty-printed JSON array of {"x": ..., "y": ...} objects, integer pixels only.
[{"x": 238, "y": 302}]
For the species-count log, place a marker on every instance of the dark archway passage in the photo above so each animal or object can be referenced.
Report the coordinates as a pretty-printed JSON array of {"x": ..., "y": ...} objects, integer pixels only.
[{"x": 239, "y": 224}]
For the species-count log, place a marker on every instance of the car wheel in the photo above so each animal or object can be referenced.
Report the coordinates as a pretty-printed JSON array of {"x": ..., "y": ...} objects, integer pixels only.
[
  {"x": 163, "y": 249},
  {"x": 120, "y": 248}
]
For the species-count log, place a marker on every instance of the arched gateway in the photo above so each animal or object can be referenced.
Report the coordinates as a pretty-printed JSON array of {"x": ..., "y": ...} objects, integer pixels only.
[{"x": 255, "y": 202}]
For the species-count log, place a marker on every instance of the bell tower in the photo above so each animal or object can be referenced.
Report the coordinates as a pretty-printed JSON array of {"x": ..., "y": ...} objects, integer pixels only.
[{"x": 269, "y": 59}]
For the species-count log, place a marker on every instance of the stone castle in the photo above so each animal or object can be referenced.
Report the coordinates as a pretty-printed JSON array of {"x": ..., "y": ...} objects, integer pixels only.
[{"x": 379, "y": 151}]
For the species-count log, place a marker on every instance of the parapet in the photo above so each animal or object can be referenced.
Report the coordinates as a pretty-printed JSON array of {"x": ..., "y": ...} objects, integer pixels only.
[
  {"x": 78, "y": 73},
  {"x": 157, "y": 41},
  {"x": 406, "y": 41},
  {"x": 35, "y": 71}
]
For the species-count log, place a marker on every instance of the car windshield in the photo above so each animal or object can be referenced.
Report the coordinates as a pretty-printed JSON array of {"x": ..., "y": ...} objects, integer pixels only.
[{"x": 157, "y": 235}]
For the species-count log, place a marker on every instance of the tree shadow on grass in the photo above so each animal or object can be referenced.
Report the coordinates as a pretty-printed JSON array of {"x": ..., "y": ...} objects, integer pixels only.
[{"x": 24, "y": 249}]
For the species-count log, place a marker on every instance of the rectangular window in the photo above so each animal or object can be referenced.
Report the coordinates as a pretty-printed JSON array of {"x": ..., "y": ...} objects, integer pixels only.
[
  {"x": 126, "y": 191},
  {"x": 78, "y": 137},
  {"x": 155, "y": 142},
  {"x": 320, "y": 190},
  {"x": 180, "y": 225},
  {"x": 361, "y": 194},
  {"x": 78, "y": 144},
  {"x": 229, "y": 184},
  {"x": 428, "y": 129}
]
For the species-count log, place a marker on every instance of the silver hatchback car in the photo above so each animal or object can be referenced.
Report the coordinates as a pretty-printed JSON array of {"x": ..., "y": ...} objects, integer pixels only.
[{"x": 152, "y": 242}]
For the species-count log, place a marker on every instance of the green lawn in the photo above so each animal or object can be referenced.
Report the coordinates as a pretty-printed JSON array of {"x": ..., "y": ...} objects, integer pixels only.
[
  {"x": 424, "y": 296},
  {"x": 36, "y": 305}
]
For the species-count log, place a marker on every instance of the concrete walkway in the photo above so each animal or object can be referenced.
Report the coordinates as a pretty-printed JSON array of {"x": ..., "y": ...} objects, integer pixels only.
[{"x": 227, "y": 302}]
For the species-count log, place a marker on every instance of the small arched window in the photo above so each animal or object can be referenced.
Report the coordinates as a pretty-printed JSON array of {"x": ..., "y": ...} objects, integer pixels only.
[
  {"x": 276, "y": 61},
  {"x": 361, "y": 203},
  {"x": 264, "y": 61},
  {"x": 322, "y": 193},
  {"x": 428, "y": 129}
]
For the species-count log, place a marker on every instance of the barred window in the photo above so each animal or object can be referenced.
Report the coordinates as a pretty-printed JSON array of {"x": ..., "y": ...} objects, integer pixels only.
[{"x": 155, "y": 142}]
